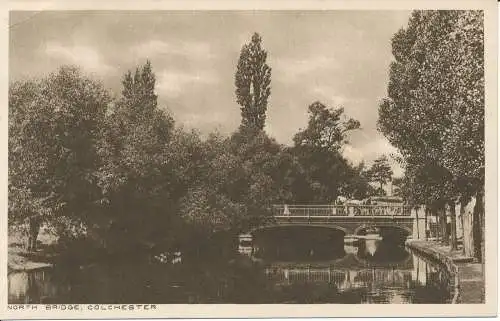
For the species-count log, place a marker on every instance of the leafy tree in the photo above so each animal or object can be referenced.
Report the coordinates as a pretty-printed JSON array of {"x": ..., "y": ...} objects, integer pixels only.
[
  {"x": 207, "y": 206},
  {"x": 322, "y": 175},
  {"x": 137, "y": 173},
  {"x": 258, "y": 182},
  {"x": 380, "y": 171},
  {"x": 253, "y": 80},
  {"x": 357, "y": 185},
  {"x": 436, "y": 189},
  {"x": 435, "y": 110},
  {"x": 326, "y": 128},
  {"x": 54, "y": 123},
  {"x": 464, "y": 142},
  {"x": 232, "y": 189},
  {"x": 322, "y": 170}
]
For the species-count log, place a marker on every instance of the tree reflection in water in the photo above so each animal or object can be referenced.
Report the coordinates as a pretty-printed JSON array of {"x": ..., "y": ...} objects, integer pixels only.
[{"x": 388, "y": 274}]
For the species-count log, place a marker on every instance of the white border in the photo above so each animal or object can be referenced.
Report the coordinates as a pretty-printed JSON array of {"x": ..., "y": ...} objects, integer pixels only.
[{"x": 281, "y": 310}]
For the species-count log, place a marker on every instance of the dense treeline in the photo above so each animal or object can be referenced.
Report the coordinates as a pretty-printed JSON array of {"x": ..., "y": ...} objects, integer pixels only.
[
  {"x": 434, "y": 115},
  {"x": 120, "y": 174}
]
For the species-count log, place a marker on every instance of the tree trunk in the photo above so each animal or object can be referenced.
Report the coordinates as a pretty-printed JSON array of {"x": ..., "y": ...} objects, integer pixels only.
[
  {"x": 442, "y": 227},
  {"x": 33, "y": 230},
  {"x": 444, "y": 231},
  {"x": 426, "y": 212},
  {"x": 439, "y": 226},
  {"x": 477, "y": 232},
  {"x": 445, "y": 226},
  {"x": 467, "y": 230},
  {"x": 417, "y": 218},
  {"x": 436, "y": 231},
  {"x": 483, "y": 229},
  {"x": 462, "y": 221},
  {"x": 453, "y": 240}
]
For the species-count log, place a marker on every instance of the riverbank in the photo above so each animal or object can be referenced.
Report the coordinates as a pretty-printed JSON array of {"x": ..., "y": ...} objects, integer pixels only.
[
  {"x": 18, "y": 259},
  {"x": 469, "y": 276}
]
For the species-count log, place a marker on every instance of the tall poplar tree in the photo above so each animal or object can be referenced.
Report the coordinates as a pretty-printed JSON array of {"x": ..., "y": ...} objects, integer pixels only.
[{"x": 253, "y": 85}]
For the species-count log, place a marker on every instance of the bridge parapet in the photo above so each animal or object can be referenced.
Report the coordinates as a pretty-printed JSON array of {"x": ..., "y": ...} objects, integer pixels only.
[{"x": 340, "y": 210}]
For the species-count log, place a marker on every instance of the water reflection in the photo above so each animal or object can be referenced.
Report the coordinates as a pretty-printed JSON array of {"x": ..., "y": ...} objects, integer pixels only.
[
  {"x": 380, "y": 252},
  {"x": 362, "y": 272},
  {"x": 280, "y": 244}
]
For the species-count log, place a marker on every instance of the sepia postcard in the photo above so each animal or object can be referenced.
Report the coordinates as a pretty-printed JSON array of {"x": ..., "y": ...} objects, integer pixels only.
[{"x": 235, "y": 159}]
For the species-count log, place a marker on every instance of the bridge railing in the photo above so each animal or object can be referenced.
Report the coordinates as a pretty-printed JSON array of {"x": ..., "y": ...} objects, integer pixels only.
[{"x": 340, "y": 210}]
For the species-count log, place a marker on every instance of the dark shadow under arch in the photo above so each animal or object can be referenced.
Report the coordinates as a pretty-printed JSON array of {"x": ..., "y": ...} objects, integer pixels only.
[
  {"x": 282, "y": 226},
  {"x": 404, "y": 228}
]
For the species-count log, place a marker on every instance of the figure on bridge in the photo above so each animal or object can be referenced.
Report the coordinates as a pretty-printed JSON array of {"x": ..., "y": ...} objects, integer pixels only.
[{"x": 286, "y": 211}]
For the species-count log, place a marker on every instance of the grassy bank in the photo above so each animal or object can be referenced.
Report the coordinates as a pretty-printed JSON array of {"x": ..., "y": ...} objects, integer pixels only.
[{"x": 19, "y": 259}]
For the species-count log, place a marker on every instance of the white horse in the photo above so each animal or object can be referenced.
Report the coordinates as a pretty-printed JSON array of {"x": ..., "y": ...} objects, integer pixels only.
[{"x": 340, "y": 200}]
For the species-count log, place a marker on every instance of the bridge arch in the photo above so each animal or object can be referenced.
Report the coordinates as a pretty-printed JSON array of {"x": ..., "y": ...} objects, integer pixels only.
[
  {"x": 403, "y": 227},
  {"x": 304, "y": 225}
]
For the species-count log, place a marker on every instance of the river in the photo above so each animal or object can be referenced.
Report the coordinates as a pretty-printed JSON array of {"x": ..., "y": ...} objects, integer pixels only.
[{"x": 365, "y": 272}]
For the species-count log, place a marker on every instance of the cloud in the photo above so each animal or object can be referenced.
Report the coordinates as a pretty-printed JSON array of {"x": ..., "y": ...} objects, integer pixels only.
[
  {"x": 172, "y": 83},
  {"x": 329, "y": 93},
  {"x": 292, "y": 69},
  {"x": 353, "y": 154},
  {"x": 188, "y": 49},
  {"x": 370, "y": 151},
  {"x": 199, "y": 120},
  {"x": 87, "y": 58}
]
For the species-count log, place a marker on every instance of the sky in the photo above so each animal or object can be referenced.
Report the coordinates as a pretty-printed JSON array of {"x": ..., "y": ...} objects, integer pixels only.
[{"x": 340, "y": 58}]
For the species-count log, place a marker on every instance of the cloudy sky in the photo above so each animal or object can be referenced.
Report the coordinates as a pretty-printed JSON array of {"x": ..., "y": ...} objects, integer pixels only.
[{"x": 340, "y": 58}]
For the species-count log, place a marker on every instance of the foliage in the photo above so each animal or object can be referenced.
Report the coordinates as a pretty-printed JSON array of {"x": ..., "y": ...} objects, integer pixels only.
[
  {"x": 434, "y": 112},
  {"x": 326, "y": 128},
  {"x": 322, "y": 173},
  {"x": 119, "y": 173},
  {"x": 136, "y": 172},
  {"x": 357, "y": 184},
  {"x": 206, "y": 206},
  {"x": 380, "y": 171},
  {"x": 464, "y": 141},
  {"x": 253, "y": 80},
  {"x": 436, "y": 99},
  {"x": 54, "y": 124}
]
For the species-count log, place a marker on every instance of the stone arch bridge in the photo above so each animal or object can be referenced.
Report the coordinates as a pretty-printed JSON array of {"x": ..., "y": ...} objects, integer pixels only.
[{"x": 350, "y": 219}]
